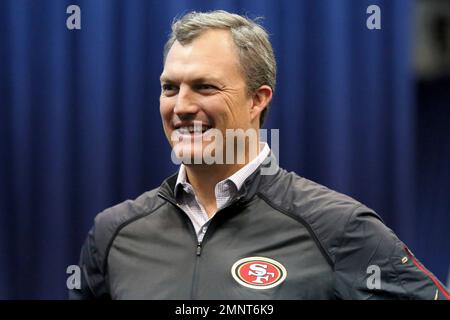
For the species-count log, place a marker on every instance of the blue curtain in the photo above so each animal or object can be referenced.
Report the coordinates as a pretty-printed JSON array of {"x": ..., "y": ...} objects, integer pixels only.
[
  {"x": 80, "y": 128},
  {"x": 433, "y": 173}
]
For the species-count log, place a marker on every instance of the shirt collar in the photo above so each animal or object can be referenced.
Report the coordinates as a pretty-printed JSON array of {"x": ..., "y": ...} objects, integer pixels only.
[{"x": 239, "y": 176}]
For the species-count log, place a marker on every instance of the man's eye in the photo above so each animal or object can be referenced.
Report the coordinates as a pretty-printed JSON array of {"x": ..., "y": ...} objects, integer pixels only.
[
  {"x": 206, "y": 87},
  {"x": 169, "y": 88}
]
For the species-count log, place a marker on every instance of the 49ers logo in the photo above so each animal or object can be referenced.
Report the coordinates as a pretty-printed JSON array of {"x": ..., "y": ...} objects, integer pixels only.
[{"x": 258, "y": 272}]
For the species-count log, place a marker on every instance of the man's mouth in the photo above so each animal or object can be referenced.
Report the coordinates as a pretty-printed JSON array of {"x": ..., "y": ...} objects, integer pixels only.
[{"x": 193, "y": 129}]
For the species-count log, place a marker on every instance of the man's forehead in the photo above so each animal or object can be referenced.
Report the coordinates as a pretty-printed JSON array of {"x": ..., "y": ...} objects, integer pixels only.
[
  {"x": 195, "y": 69},
  {"x": 211, "y": 51}
]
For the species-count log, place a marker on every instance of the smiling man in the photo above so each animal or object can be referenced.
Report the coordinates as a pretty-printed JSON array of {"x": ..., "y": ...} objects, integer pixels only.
[
  {"x": 224, "y": 229},
  {"x": 207, "y": 90}
]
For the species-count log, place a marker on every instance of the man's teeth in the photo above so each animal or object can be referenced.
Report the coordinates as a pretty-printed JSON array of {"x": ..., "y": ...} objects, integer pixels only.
[{"x": 192, "y": 129}]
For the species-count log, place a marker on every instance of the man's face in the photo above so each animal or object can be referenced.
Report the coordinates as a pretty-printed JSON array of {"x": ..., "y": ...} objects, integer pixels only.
[{"x": 202, "y": 82}]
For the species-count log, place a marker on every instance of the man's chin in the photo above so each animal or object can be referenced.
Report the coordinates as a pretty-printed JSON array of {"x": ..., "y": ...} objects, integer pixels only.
[
  {"x": 197, "y": 155},
  {"x": 189, "y": 157}
]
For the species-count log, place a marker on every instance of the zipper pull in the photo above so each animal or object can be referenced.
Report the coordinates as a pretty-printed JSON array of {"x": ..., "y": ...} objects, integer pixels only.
[{"x": 199, "y": 249}]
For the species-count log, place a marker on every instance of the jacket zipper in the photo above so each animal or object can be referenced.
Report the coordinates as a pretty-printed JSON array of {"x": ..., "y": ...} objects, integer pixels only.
[
  {"x": 198, "y": 250},
  {"x": 199, "y": 244}
]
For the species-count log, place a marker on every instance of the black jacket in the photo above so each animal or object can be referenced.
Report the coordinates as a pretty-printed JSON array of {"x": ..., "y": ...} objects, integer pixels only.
[{"x": 281, "y": 237}]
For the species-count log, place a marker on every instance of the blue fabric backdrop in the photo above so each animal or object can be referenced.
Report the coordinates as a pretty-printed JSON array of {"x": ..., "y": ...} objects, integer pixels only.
[{"x": 80, "y": 128}]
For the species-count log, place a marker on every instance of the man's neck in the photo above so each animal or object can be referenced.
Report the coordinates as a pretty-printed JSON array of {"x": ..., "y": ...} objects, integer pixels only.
[{"x": 204, "y": 179}]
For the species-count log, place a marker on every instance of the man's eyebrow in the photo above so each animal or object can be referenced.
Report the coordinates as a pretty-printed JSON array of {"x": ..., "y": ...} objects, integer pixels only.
[
  {"x": 164, "y": 78},
  {"x": 167, "y": 79},
  {"x": 205, "y": 79}
]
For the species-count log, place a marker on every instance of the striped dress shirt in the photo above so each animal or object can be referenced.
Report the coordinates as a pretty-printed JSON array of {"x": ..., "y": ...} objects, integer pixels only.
[{"x": 224, "y": 190}]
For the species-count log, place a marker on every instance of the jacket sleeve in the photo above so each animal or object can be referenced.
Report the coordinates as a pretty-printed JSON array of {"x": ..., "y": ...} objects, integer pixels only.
[
  {"x": 372, "y": 263},
  {"x": 93, "y": 282}
]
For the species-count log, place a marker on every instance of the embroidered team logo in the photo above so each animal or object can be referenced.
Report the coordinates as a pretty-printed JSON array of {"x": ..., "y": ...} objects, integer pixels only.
[{"x": 258, "y": 272}]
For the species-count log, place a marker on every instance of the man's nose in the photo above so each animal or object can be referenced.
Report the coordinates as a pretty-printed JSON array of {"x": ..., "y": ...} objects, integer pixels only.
[{"x": 185, "y": 103}]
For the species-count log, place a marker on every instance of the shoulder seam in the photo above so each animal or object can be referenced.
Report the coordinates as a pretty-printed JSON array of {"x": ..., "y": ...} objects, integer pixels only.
[
  {"x": 348, "y": 222},
  {"x": 119, "y": 228},
  {"x": 304, "y": 223}
]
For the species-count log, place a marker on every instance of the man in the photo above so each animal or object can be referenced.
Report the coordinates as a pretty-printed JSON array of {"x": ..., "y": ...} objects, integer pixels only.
[{"x": 228, "y": 229}]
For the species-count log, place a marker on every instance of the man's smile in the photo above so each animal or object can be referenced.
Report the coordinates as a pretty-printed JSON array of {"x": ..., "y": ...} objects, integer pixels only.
[{"x": 191, "y": 129}]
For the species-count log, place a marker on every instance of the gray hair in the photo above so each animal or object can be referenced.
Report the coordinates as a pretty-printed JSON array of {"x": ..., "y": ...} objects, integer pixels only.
[{"x": 255, "y": 52}]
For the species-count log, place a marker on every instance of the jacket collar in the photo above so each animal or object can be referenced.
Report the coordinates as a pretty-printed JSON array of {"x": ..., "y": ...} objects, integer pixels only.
[{"x": 250, "y": 187}]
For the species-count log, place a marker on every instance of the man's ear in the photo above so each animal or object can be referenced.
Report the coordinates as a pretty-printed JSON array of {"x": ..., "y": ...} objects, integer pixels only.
[{"x": 260, "y": 100}]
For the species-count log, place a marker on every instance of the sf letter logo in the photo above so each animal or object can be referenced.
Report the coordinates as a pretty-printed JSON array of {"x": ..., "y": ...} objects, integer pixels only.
[{"x": 260, "y": 272}]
